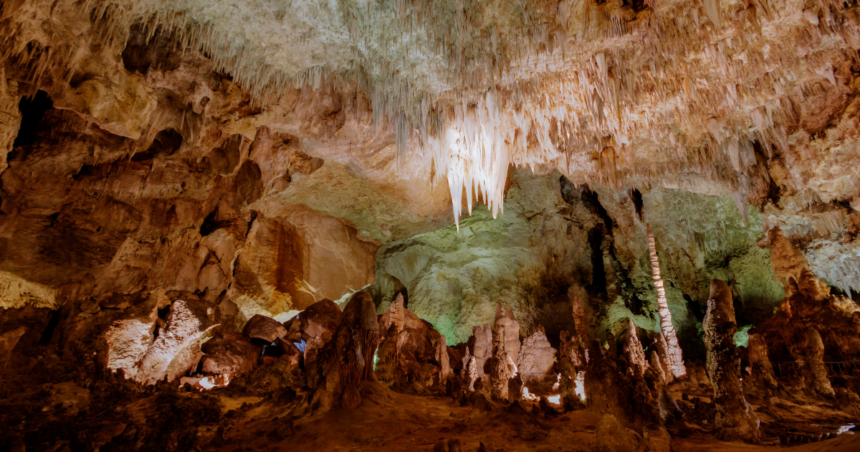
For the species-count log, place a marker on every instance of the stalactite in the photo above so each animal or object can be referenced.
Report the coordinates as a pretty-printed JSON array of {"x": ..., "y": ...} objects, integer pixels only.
[{"x": 673, "y": 349}]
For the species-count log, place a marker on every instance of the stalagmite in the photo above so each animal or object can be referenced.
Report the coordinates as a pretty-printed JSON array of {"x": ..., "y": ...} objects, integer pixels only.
[
  {"x": 579, "y": 320},
  {"x": 673, "y": 350},
  {"x": 502, "y": 368},
  {"x": 470, "y": 371},
  {"x": 735, "y": 419},
  {"x": 481, "y": 343},
  {"x": 507, "y": 329},
  {"x": 444, "y": 361},
  {"x": 572, "y": 365},
  {"x": 658, "y": 367},
  {"x": 635, "y": 354},
  {"x": 815, "y": 363},
  {"x": 663, "y": 354},
  {"x": 535, "y": 361},
  {"x": 762, "y": 370}
]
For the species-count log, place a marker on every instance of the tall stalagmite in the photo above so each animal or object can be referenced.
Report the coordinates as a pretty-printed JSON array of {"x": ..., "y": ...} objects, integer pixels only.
[
  {"x": 762, "y": 370},
  {"x": 735, "y": 419},
  {"x": 815, "y": 363},
  {"x": 675, "y": 356}
]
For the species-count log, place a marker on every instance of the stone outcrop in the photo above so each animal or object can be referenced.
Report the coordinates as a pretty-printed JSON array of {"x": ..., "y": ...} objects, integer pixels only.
[
  {"x": 535, "y": 364},
  {"x": 316, "y": 326},
  {"x": 735, "y": 419},
  {"x": 412, "y": 355},
  {"x": 10, "y": 116},
  {"x": 347, "y": 360}
]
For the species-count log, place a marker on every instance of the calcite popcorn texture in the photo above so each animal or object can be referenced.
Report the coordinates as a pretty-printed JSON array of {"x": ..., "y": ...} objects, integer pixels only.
[{"x": 734, "y": 416}]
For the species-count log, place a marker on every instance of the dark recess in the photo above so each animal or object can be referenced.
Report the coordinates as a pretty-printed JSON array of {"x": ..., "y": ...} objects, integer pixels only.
[
  {"x": 165, "y": 144},
  {"x": 212, "y": 224},
  {"x": 636, "y": 197},
  {"x": 48, "y": 333},
  {"x": 32, "y": 111}
]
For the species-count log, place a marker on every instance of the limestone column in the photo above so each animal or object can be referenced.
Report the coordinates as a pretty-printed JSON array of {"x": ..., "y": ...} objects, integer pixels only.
[
  {"x": 815, "y": 363},
  {"x": 735, "y": 419},
  {"x": 675, "y": 356}
]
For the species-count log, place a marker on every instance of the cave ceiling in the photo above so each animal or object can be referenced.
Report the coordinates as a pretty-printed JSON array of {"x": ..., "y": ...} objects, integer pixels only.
[{"x": 422, "y": 110}]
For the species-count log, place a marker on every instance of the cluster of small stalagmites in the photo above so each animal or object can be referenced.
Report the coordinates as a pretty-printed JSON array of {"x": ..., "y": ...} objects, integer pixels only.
[
  {"x": 810, "y": 318},
  {"x": 497, "y": 366}
]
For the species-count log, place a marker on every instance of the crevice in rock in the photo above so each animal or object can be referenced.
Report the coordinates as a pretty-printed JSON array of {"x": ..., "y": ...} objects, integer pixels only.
[
  {"x": 32, "y": 111},
  {"x": 48, "y": 332},
  {"x": 165, "y": 144},
  {"x": 211, "y": 223},
  {"x": 636, "y": 197}
]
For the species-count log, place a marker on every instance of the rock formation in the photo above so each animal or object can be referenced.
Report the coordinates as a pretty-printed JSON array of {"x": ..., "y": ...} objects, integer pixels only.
[
  {"x": 633, "y": 347},
  {"x": 762, "y": 375},
  {"x": 572, "y": 364},
  {"x": 735, "y": 419},
  {"x": 412, "y": 354},
  {"x": 815, "y": 363},
  {"x": 536, "y": 361},
  {"x": 673, "y": 350},
  {"x": 347, "y": 360},
  {"x": 316, "y": 326},
  {"x": 186, "y": 186}
]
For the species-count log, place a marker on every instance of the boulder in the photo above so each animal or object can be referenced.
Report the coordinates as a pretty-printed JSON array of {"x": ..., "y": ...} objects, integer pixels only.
[
  {"x": 229, "y": 355},
  {"x": 264, "y": 328}
]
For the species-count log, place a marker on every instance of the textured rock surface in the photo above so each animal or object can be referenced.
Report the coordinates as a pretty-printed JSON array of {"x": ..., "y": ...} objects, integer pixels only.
[
  {"x": 536, "y": 361},
  {"x": 735, "y": 419}
]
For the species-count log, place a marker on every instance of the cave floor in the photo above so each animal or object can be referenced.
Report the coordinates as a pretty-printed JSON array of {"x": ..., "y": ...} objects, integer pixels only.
[{"x": 119, "y": 417}]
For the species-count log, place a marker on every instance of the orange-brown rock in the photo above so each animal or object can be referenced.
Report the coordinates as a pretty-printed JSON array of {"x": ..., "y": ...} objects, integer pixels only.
[{"x": 735, "y": 419}]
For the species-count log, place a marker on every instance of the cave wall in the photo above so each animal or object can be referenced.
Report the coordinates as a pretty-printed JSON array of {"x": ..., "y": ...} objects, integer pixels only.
[{"x": 556, "y": 240}]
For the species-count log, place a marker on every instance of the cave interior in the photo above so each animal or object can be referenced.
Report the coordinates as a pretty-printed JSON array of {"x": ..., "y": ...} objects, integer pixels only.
[{"x": 477, "y": 225}]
